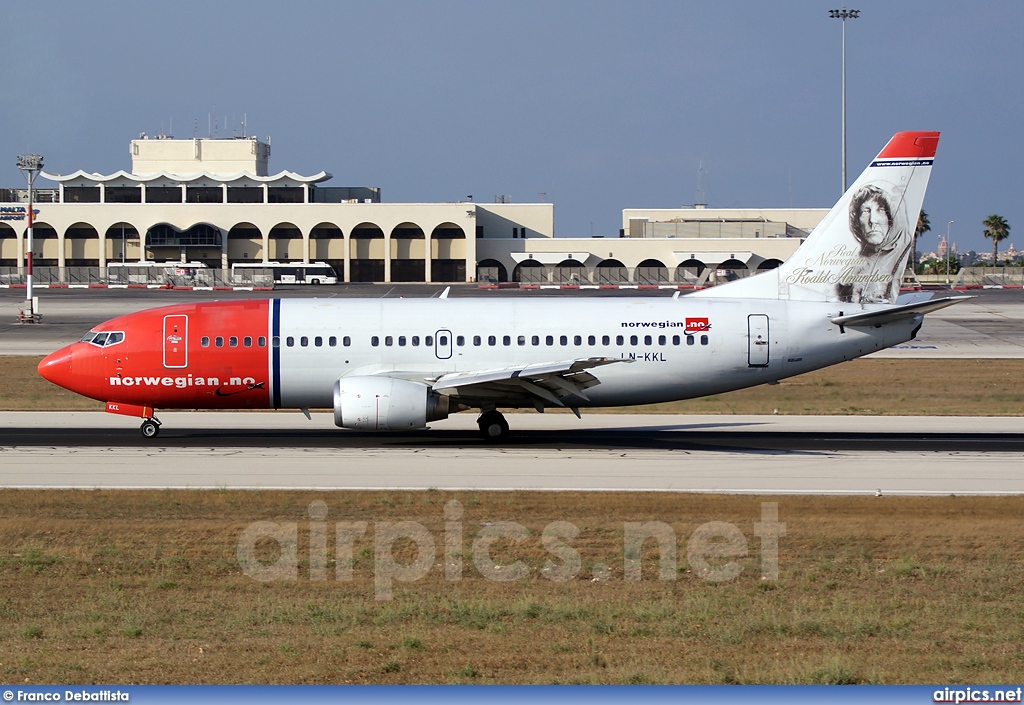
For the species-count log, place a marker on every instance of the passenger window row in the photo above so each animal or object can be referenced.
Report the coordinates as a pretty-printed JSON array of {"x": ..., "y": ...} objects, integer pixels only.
[
  {"x": 492, "y": 340},
  {"x": 232, "y": 341}
]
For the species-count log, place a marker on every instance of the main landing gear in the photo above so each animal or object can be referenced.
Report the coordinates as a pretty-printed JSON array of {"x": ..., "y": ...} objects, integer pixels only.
[
  {"x": 493, "y": 426},
  {"x": 150, "y": 428}
]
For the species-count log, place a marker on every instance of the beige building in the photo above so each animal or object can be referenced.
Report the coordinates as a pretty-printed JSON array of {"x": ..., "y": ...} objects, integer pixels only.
[{"x": 214, "y": 201}]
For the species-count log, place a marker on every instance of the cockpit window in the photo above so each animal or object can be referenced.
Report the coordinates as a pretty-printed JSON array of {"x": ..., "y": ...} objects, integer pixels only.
[{"x": 103, "y": 339}]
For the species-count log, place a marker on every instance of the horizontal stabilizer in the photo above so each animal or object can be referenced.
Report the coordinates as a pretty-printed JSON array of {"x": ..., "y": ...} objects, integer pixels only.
[{"x": 895, "y": 313}]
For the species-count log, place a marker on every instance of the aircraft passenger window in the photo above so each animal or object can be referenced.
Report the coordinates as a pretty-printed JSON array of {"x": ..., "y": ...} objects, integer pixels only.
[
  {"x": 218, "y": 341},
  {"x": 332, "y": 341},
  {"x": 374, "y": 341},
  {"x": 247, "y": 341},
  {"x": 460, "y": 340},
  {"x": 647, "y": 340},
  {"x": 491, "y": 340},
  {"x": 233, "y": 341},
  {"x": 205, "y": 341},
  {"x": 415, "y": 341},
  {"x": 591, "y": 340},
  {"x": 261, "y": 341},
  {"x": 442, "y": 340},
  {"x": 675, "y": 340},
  {"x": 703, "y": 340},
  {"x": 535, "y": 340},
  {"x": 522, "y": 340},
  {"x": 563, "y": 339},
  {"x": 401, "y": 340},
  {"x": 506, "y": 340},
  {"x": 389, "y": 341},
  {"x": 619, "y": 340},
  {"x": 476, "y": 340},
  {"x": 318, "y": 341},
  {"x": 661, "y": 340},
  {"x": 289, "y": 341},
  {"x": 304, "y": 341},
  {"x": 689, "y": 340},
  {"x": 346, "y": 341},
  {"x": 577, "y": 340},
  {"x": 428, "y": 340},
  {"x": 549, "y": 340},
  {"x": 633, "y": 340},
  {"x": 606, "y": 340},
  {"x": 276, "y": 341}
]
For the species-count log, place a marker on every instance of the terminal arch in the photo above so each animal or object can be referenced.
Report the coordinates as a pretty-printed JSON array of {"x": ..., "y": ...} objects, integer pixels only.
[
  {"x": 122, "y": 243},
  {"x": 408, "y": 253},
  {"x": 491, "y": 271},
  {"x": 45, "y": 245},
  {"x": 285, "y": 243},
  {"x": 651, "y": 272},
  {"x": 8, "y": 246},
  {"x": 529, "y": 272},
  {"x": 769, "y": 264},
  {"x": 366, "y": 251},
  {"x": 448, "y": 253},
  {"x": 81, "y": 246},
  {"x": 612, "y": 272},
  {"x": 689, "y": 271},
  {"x": 327, "y": 244},
  {"x": 245, "y": 243},
  {"x": 570, "y": 271}
]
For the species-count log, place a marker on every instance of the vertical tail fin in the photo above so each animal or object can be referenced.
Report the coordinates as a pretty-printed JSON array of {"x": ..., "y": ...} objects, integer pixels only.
[{"x": 859, "y": 251}]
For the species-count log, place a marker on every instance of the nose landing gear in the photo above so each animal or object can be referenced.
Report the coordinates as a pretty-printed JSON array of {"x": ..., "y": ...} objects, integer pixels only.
[{"x": 150, "y": 428}]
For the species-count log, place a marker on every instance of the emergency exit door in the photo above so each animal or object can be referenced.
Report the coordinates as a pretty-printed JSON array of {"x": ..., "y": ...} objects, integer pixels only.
[
  {"x": 757, "y": 340},
  {"x": 175, "y": 338}
]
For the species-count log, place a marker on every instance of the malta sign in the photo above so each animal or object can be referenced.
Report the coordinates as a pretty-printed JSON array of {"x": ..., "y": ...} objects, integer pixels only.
[{"x": 15, "y": 212}]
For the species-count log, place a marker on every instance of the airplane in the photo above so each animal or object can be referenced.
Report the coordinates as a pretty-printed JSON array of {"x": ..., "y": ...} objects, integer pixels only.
[{"x": 398, "y": 364}]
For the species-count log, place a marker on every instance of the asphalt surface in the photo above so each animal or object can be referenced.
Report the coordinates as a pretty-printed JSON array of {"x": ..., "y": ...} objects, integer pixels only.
[{"x": 746, "y": 454}]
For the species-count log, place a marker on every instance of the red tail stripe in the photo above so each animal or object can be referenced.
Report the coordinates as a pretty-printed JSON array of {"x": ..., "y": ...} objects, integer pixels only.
[{"x": 905, "y": 145}]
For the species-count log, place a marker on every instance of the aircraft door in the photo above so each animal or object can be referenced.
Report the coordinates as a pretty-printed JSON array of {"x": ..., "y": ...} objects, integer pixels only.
[
  {"x": 443, "y": 344},
  {"x": 757, "y": 340},
  {"x": 175, "y": 341}
]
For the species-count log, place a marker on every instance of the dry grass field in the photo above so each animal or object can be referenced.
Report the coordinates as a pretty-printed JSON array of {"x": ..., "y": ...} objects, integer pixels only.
[
  {"x": 145, "y": 586},
  {"x": 873, "y": 387}
]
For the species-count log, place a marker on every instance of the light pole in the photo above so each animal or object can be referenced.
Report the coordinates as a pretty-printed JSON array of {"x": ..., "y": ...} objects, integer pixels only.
[
  {"x": 843, "y": 15},
  {"x": 30, "y": 165},
  {"x": 947, "y": 249}
]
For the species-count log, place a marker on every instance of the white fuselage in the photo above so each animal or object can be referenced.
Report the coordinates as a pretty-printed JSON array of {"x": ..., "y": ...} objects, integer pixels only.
[{"x": 675, "y": 353}]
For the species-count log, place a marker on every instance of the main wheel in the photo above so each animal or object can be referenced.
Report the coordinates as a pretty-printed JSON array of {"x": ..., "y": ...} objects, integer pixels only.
[
  {"x": 150, "y": 428},
  {"x": 493, "y": 426}
]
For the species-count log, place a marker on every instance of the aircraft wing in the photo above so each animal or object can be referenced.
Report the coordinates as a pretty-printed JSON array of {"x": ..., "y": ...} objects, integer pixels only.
[
  {"x": 557, "y": 383},
  {"x": 894, "y": 313}
]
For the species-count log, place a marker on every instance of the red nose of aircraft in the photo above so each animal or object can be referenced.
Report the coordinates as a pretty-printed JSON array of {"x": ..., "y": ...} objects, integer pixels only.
[{"x": 56, "y": 367}]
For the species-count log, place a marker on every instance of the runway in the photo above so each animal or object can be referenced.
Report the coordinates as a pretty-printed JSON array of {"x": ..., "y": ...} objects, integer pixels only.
[{"x": 738, "y": 454}]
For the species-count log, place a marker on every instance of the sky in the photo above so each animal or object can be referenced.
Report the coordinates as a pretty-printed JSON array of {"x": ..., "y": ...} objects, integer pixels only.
[{"x": 594, "y": 106}]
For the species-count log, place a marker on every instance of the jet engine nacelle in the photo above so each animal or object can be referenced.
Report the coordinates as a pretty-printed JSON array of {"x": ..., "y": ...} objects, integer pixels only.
[{"x": 386, "y": 404}]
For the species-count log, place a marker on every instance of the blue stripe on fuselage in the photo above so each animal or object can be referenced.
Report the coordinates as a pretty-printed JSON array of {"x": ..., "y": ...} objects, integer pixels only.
[{"x": 275, "y": 342}]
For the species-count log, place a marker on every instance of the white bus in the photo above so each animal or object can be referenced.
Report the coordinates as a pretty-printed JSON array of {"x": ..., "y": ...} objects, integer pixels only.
[{"x": 290, "y": 272}]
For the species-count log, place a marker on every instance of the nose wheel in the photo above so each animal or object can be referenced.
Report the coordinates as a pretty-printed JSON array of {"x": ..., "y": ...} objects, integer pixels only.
[
  {"x": 493, "y": 426},
  {"x": 150, "y": 428}
]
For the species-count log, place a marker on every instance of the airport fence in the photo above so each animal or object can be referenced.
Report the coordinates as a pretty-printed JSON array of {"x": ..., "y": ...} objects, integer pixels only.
[
  {"x": 990, "y": 276},
  {"x": 138, "y": 276}
]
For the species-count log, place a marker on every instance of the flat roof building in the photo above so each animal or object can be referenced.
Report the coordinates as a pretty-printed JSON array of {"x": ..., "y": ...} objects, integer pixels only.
[{"x": 215, "y": 201}]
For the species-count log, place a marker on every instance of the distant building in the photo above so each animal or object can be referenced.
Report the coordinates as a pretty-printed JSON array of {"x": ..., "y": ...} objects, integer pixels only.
[{"x": 215, "y": 201}]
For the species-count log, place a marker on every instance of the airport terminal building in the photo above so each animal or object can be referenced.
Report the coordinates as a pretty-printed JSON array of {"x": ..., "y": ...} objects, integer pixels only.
[{"x": 214, "y": 201}]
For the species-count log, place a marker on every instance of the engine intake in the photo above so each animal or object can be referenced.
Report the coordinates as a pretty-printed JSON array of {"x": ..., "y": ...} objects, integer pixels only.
[{"x": 386, "y": 404}]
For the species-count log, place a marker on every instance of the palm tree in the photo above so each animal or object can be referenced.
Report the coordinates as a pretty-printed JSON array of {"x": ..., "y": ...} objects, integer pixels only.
[
  {"x": 998, "y": 229},
  {"x": 923, "y": 226}
]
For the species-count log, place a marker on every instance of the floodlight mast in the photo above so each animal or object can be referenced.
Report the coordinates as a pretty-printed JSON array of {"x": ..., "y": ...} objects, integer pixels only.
[
  {"x": 844, "y": 15},
  {"x": 30, "y": 165}
]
